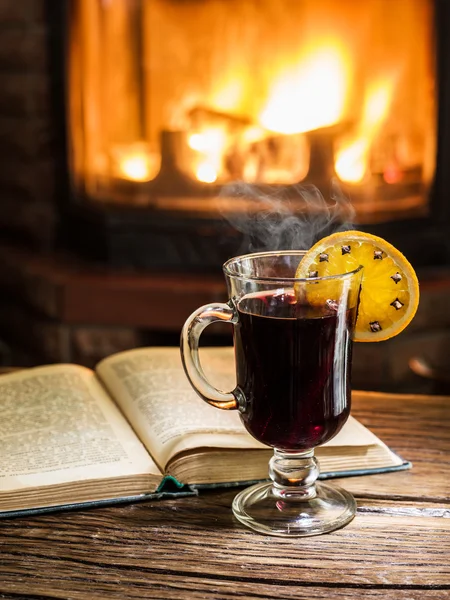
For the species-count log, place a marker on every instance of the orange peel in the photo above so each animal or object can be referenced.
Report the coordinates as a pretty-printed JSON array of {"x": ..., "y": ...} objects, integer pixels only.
[{"x": 389, "y": 294}]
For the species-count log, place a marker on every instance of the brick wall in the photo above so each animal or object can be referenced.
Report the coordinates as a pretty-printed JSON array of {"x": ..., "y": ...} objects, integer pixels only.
[{"x": 31, "y": 140}]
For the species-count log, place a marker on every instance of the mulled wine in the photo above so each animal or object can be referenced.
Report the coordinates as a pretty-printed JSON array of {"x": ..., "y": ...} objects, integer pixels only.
[
  {"x": 293, "y": 346},
  {"x": 293, "y": 366}
]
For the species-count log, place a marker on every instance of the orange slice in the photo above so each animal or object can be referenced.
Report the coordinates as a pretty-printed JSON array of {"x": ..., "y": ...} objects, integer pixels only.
[{"x": 389, "y": 294}]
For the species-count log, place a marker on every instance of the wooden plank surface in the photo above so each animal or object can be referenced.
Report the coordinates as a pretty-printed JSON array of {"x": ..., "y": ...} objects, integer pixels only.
[
  {"x": 398, "y": 546},
  {"x": 418, "y": 429}
]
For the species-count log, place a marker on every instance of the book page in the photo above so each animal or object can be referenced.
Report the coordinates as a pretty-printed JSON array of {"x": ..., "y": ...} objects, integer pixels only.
[
  {"x": 58, "y": 425},
  {"x": 150, "y": 386},
  {"x": 152, "y": 389}
]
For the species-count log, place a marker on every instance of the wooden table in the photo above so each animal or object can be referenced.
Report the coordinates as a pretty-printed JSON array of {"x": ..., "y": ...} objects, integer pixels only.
[{"x": 397, "y": 547}]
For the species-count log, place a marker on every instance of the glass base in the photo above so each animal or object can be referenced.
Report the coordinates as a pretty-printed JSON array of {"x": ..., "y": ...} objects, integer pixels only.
[{"x": 258, "y": 508}]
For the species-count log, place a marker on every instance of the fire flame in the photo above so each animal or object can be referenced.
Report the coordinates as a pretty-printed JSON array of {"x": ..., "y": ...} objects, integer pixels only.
[
  {"x": 206, "y": 173},
  {"x": 135, "y": 167},
  {"x": 209, "y": 146},
  {"x": 309, "y": 95},
  {"x": 135, "y": 161},
  {"x": 352, "y": 160},
  {"x": 306, "y": 96}
]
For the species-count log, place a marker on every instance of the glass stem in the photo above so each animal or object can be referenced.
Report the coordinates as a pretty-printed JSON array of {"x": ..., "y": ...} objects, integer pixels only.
[{"x": 294, "y": 475}]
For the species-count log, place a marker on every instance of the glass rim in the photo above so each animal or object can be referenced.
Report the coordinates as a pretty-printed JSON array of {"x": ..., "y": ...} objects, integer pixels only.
[{"x": 229, "y": 273}]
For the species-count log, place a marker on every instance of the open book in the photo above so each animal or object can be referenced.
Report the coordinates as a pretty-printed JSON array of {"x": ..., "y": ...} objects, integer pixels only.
[{"x": 135, "y": 427}]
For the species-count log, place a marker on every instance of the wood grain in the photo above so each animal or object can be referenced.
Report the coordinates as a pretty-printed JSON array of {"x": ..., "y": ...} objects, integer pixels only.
[
  {"x": 417, "y": 428},
  {"x": 397, "y": 547}
]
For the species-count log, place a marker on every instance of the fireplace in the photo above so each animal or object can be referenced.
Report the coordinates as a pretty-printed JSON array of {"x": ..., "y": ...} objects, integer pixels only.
[
  {"x": 186, "y": 116},
  {"x": 129, "y": 166}
]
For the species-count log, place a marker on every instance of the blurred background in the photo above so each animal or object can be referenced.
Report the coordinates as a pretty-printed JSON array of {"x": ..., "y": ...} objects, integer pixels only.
[{"x": 144, "y": 142}]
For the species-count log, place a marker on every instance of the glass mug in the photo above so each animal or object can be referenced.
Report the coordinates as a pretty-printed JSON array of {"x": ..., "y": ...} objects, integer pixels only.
[{"x": 293, "y": 348}]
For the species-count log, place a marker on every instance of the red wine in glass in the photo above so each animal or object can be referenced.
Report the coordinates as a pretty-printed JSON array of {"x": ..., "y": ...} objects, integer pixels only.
[
  {"x": 293, "y": 366},
  {"x": 293, "y": 347}
]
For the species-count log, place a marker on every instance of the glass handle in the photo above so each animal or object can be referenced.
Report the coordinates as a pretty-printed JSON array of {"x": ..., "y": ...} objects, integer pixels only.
[{"x": 190, "y": 336}]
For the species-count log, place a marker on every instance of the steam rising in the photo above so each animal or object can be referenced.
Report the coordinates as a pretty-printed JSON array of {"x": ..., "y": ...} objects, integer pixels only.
[{"x": 291, "y": 218}]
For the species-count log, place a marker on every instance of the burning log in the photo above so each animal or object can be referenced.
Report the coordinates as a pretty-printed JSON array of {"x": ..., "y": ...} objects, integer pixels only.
[
  {"x": 242, "y": 150},
  {"x": 201, "y": 116}
]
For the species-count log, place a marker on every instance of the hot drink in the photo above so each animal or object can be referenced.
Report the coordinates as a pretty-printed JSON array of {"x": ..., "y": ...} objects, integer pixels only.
[
  {"x": 293, "y": 365},
  {"x": 293, "y": 332},
  {"x": 295, "y": 315}
]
